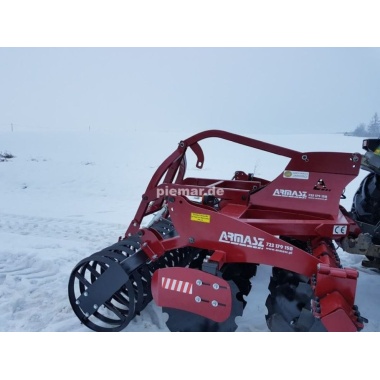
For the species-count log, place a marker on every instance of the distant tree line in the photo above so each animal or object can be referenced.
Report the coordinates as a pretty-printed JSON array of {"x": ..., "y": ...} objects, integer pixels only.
[{"x": 372, "y": 129}]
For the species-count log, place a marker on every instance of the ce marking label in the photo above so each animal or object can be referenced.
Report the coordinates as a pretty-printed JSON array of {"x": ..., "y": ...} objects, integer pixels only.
[{"x": 339, "y": 229}]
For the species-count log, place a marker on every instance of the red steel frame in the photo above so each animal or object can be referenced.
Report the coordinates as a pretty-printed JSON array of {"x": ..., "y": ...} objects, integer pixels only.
[{"x": 303, "y": 202}]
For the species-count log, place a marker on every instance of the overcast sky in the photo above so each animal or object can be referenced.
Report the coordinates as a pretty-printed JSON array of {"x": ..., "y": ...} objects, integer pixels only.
[{"x": 263, "y": 90}]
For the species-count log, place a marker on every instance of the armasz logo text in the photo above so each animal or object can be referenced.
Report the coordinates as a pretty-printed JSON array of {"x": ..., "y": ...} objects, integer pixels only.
[
  {"x": 290, "y": 193},
  {"x": 240, "y": 239}
]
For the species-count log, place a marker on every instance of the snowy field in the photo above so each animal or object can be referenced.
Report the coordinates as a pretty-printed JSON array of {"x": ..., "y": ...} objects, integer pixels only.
[{"x": 68, "y": 194}]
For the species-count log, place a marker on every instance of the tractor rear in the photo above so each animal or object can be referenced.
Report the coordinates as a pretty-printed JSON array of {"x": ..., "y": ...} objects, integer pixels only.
[{"x": 206, "y": 237}]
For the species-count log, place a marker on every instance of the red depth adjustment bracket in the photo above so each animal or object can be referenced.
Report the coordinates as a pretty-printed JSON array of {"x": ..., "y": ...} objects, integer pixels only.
[
  {"x": 194, "y": 291},
  {"x": 334, "y": 289}
]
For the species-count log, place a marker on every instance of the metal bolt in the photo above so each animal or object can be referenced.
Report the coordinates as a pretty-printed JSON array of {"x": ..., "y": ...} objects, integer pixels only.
[
  {"x": 95, "y": 306},
  {"x": 77, "y": 302},
  {"x": 85, "y": 294},
  {"x": 215, "y": 286},
  {"x": 86, "y": 315},
  {"x": 214, "y": 303},
  {"x": 198, "y": 299},
  {"x": 191, "y": 240},
  {"x": 199, "y": 282}
]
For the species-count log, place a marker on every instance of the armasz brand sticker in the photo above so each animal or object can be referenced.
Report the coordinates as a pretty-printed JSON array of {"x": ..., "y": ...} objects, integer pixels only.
[
  {"x": 298, "y": 194},
  {"x": 240, "y": 239},
  {"x": 295, "y": 174},
  {"x": 254, "y": 242},
  {"x": 290, "y": 193}
]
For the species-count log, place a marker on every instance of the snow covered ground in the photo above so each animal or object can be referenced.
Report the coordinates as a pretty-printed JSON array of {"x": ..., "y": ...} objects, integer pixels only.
[{"x": 68, "y": 194}]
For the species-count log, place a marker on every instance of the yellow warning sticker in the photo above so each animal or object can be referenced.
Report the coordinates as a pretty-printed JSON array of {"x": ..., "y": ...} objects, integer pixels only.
[{"x": 203, "y": 218}]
